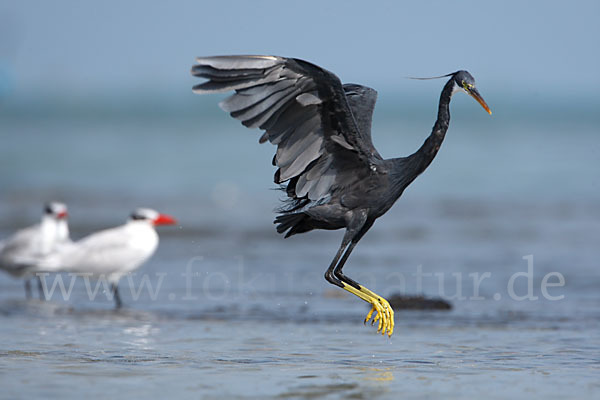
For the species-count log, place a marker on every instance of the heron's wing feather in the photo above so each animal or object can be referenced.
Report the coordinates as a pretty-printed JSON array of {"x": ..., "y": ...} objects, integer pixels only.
[
  {"x": 362, "y": 102},
  {"x": 304, "y": 112}
]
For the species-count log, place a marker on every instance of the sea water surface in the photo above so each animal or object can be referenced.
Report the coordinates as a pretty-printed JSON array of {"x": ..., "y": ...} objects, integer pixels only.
[{"x": 504, "y": 225}]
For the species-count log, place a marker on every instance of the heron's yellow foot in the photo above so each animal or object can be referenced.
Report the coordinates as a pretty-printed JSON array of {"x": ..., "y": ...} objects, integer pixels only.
[{"x": 385, "y": 314}]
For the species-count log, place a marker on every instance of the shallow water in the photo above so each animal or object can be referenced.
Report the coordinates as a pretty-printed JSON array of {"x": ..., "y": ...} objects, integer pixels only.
[{"x": 236, "y": 311}]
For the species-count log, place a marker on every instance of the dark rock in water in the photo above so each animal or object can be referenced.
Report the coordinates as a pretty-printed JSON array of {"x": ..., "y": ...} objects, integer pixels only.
[{"x": 401, "y": 302}]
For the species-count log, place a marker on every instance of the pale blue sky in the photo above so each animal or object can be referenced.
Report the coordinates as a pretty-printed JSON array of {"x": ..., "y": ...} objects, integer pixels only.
[{"x": 82, "y": 47}]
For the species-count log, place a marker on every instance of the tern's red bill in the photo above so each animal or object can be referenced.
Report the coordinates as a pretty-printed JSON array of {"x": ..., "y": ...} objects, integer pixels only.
[{"x": 164, "y": 219}]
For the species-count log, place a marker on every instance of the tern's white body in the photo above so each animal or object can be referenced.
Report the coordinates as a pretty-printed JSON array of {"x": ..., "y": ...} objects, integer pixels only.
[
  {"x": 21, "y": 254},
  {"x": 110, "y": 253}
]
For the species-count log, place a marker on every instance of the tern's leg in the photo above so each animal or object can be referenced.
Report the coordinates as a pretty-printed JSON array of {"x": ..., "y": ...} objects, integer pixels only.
[
  {"x": 40, "y": 288},
  {"x": 27, "y": 289},
  {"x": 115, "y": 290}
]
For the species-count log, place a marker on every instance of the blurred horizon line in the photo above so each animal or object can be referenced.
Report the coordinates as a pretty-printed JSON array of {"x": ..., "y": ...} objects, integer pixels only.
[{"x": 166, "y": 103}]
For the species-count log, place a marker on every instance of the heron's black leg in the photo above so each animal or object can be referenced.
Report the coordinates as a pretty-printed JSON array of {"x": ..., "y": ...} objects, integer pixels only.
[
  {"x": 40, "y": 288},
  {"x": 338, "y": 269},
  {"x": 27, "y": 289},
  {"x": 385, "y": 313},
  {"x": 355, "y": 227},
  {"x": 115, "y": 290},
  {"x": 329, "y": 274}
]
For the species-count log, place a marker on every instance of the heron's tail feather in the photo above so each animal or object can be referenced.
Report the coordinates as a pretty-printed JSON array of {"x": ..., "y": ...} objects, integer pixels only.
[{"x": 296, "y": 223}]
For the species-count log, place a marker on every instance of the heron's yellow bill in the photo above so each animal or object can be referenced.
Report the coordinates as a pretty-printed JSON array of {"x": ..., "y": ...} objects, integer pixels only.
[{"x": 475, "y": 94}]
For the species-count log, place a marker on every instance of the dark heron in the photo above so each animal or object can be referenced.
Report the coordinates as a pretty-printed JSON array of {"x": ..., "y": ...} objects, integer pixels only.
[{"x": 332, "y": 174}]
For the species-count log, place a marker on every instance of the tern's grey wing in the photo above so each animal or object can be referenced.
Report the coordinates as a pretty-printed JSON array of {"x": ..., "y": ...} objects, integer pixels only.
[{"x": 20, "y": 250}]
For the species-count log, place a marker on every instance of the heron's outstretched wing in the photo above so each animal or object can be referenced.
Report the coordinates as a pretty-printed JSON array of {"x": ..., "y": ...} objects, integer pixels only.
[
  {"x": 304, "y": 112},
  {"x": 362, "y": 102}
]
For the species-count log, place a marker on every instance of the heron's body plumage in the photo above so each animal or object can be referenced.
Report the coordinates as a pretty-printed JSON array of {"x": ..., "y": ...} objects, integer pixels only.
[{"x": 331, "y": 172}]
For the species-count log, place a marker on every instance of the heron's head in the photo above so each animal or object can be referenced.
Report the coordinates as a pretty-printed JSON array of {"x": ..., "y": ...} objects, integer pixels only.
[
  {"x": 55, "y": 210},
  {"x": 464, "y": 81},
  {"x": 151, "y": 216}
]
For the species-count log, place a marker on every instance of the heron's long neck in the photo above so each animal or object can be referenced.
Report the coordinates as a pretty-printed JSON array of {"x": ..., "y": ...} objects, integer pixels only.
[
  {"x": 406, "y": 169},
  {"x": 427, "y": 152},
  {"x": 413, "y": 165}
]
